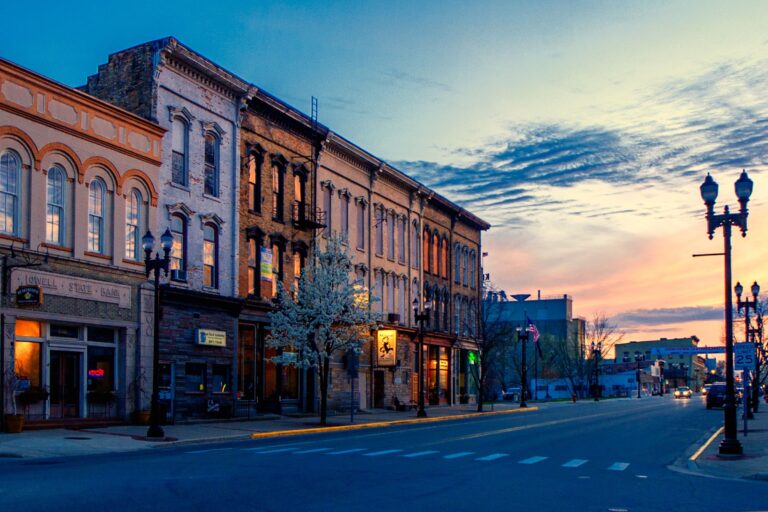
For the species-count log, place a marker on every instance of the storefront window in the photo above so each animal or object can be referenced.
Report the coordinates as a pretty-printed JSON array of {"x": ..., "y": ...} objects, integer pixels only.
[
  {"x": 195, "y": 377},
  {"x": 101, "y": 334},
  {"x": 28, "y": 329},
  {"x": 101, "y": 369},
  {"x": 246, "y": 363},
  {"x": 222, "y": 377},
  {"x": 28, "y": 364},
  {"x": 290, "y": 378},
  {"x": 64, "y": 331}
]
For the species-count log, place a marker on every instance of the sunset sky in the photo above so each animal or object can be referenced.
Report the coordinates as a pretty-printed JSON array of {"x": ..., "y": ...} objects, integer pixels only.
[{"x": 580, "y": 130}]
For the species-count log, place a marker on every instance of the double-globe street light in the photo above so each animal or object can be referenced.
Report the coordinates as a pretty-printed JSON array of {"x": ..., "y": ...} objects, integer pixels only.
[
  {"x": 730, "y": 445},
  {"x": 750, "y": 401},
  {"x": 523, "y": 334},
  {"x": 597, "y": 350},
  {"x": 421, "y": 318},
  {"x": 155, "y": 265}
]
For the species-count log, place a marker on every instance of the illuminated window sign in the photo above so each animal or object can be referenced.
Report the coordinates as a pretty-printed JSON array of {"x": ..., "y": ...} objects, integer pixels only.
[{"x": 98, "y": 373}]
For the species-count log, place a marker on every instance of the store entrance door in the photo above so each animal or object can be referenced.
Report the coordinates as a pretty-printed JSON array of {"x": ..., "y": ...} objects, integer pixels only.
[
  {"x": 378, "y": 389},
  {"x": 65, "y": 384}
]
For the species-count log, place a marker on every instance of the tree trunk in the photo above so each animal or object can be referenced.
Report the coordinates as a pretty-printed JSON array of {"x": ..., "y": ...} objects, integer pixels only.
[{"x": 324, "y": 374}]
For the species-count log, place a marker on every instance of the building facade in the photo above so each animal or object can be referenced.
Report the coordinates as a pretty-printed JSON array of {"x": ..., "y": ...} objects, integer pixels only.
[
  {"x": 679, "y": 369},
  {"x": 79, "y": 181}
]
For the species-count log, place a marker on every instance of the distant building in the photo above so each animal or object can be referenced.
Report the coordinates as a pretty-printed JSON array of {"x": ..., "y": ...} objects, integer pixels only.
[
  {"x": 684, "y": 369},
  {"x": 552, "y": 315}
]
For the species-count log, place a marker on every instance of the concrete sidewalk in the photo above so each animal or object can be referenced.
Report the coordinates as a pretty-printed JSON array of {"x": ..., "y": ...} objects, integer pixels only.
[
  {"x": 125, "y": 438},
  {"x": 753, "y": 464}
]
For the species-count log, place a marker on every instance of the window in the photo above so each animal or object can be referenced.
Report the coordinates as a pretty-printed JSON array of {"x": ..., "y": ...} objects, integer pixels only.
[
  {"x": 179, "y": 146},
  {"x": 380, "y": 219},
  {"x": 415, "y": 293},
  {"x": 210, "y": 256},
  {"x": 380, "y": 291},
  {"x": 402, "y": 301},
  {"x": 444, "y": 258},
  {"x": 55, "y": 219},
  {"x": 401, "y": 234},
  {"x": 457, "y": 315},
  {"x": 254, "y": 181},
  {"x": 10, "y": 168},
  {"x": 96, "y": 199},
  {"x": 345, "y": 217},
  {"x": 253, "y": 267},
  {"x": 464, "y": 265},
  {"x": 277, "y": 266},
  {"x": 298, "y": 266},
  {"x": 446, "y": 311},
  {"x": 360, "y": 225},
  {"x": 28, "y": 363},
  {"x": 426, "y": 252},
  {"x": 101, "y": 369},
  {"x": 391, "y": 235},
  {"x": 436, "y": 254},
  {"x": 133, "y": 225},
  {"x": 456, "y": 263},
  {"x": 299, "y": 196},
  {"x": 179, "y": 247},
  {"x": 277, "y": 192},
  {"x": 391, "y": 293},
  {"x": 472, "y": 266},
  {"x": 194, "y": 380},
  {"x": 327, "y": 205},
  {"x": 436, "y": 309},
  {"x": 211, "y": 165},
  {"x": 465, "y": 317},
  {"x": 415, "y": 244},
  {"x": 221, "y": 378}
]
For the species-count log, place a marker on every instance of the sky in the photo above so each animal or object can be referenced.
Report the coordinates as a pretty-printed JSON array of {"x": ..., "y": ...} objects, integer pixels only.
[{"x": 580, "y": 130}]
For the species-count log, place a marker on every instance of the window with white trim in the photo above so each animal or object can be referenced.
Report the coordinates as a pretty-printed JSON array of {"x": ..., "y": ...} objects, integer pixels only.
[
  {"x": 179, "y": 144},
  {"x": 97, "y": 192},
  {"x": 10, "y": 171},
  {"x": 133, "y": 220},
  {"x": 55, "y": 218}
]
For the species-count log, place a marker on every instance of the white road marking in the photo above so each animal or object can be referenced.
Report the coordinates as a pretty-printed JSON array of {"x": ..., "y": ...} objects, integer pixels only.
[
  {"x": 493, "y": 456},
  {"x": 618, "y": 466},
  {"x": 383, "y": 452},
  {"x": 314, "y": 450},
  {"x": 574, "y": 463},
  {"x": 343, "y": 452},
  {"x": 457, "y": 455},
  {"x": 641, "y": 476},
  {"x": 278, "y": 450},
  {"x": 420, "y": 454},
  {"x": 532, "y": 460},
  {"x": 210, "y": 450}
]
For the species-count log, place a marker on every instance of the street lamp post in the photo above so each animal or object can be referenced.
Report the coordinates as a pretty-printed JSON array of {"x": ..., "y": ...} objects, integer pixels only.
[
  {"x": 421, "y": 318},
  {"x": 730, "y": 445},
  {"x": 522, "y": 336},
  {"x": 596, "y": 353},
  {"x": 156, "y": 265},
  {"x": 749, "y": 333},
  {"x": 639, "y": 356}
]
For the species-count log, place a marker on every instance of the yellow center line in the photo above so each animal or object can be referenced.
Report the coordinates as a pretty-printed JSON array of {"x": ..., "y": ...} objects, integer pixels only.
[{"x": 704, "y": 446}]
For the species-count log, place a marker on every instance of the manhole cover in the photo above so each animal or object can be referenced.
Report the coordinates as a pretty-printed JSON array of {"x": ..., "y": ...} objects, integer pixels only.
[{"x": 78, "y": 438}]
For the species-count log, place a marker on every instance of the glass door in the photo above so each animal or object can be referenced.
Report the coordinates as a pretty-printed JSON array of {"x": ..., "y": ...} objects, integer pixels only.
[{"x": 65, "y": 384}]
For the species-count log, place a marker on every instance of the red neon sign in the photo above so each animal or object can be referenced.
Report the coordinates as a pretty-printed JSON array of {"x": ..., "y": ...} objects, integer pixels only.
[{"x": 96, "y": 374}]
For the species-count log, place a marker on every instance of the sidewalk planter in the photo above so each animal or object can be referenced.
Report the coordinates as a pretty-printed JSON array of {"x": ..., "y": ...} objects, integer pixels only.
[
  {"x": 14, "y": 423},
  {"x": 31, "y": 396}
]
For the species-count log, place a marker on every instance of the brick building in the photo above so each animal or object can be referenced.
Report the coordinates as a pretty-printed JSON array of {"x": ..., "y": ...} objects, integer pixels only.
[{"x": 79, "y": 186}]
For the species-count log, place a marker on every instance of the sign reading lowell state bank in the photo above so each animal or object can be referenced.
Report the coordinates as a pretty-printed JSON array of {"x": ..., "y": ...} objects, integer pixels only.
[{"x": 73, "y": 287}]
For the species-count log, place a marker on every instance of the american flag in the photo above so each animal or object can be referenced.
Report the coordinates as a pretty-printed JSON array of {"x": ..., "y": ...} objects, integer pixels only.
[{"x": 535, "y": 332}]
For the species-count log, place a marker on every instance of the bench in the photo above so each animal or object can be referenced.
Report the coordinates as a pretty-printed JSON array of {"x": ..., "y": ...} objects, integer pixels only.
[{"x": 402, "y": 406}]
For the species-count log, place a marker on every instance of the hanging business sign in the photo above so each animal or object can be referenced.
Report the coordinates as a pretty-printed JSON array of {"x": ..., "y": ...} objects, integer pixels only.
[
  {"x": 266, "y": 264},
  {"x": 29, "y": 296},
  {"x": 386, "y": 347},
  {"x": 211, "y": 338}
]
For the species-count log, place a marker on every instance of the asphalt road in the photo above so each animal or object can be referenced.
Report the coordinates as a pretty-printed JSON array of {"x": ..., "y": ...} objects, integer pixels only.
[{"x": 607, "y": 456}]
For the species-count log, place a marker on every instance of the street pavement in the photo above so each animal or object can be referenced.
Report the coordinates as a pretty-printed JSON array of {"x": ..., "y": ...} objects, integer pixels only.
[{"x": 613, "y": 455}]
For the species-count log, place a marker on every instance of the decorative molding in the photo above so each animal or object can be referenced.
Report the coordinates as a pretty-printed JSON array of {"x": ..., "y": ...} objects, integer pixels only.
[
  {"x": 279, "y": 160},
  {"x": 212, "y": 127},
  {"x": 361, "y": 267},
  {"x": 254, "y": 232},
  {"x": 361, "y": 200},
  {"x": 327, "y": 184},
  {"x": 344, "y": 192},
  {"x": 182, "y": 112},
  {"x": 180, "y": 208},
  {"x": 206, "y": 218},
  {"x": 299, "y": 246},
  {"x": 301, "y": 170}
]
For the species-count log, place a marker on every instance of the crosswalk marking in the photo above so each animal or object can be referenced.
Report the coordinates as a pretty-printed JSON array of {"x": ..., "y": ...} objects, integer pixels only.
[
  {"x": 493, "y": 456},
  {"x": 532, "y": 460},
  {"x": 277, "y": 450},
  {"x": 420, "y": 454},
  {"x": 458, "y": 455},
  {"x": 383, "y": 452},
  {"x": 574, "y": 463},
  {"x": 618, "y": 466},
  {"x": 343, "y": 452},
  {"x": 315, "y": 450}
]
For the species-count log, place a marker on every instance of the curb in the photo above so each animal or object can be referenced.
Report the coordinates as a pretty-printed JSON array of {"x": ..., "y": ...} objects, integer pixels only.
[{"x": 380, "y": 424}]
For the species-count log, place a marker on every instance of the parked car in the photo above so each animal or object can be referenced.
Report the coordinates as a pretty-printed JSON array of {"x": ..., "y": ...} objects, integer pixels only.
[
  {"x": 716, "y": 395},
  {"x": 705, "y": 389},
  {"x": 683, "y": 392},
  {"x": 511, "y": 394}
]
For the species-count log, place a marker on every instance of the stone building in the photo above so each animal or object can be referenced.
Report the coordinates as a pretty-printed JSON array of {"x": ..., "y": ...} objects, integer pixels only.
[
  {"x": 78, "y": 187},
  {"x": 199, "y": 104}
]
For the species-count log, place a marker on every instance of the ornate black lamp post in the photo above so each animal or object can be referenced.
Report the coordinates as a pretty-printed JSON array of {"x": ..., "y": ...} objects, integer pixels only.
[
  {"x": 421, "y": 318},
  {"x": 522, "y": 336},
  {"x": 596, "y": 353},
  {"x": 730, "y": 445},
  {"x": 156, "y": 265},
  {"x": 746, "y": 305},
  {"x": 639, "y": 357}
]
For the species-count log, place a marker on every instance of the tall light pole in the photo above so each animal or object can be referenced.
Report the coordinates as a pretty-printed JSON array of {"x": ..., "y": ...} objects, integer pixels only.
[
  {"x": 421, "y": 318},
  {"x": 596, "y": 353},
  {"x": 749, "y": 402},
  {"x": 522, "y": 337},
  {"x": 155, "y": 265},
  {"x": 639, "y": 356},
  {"x": 730, "y": 445}
]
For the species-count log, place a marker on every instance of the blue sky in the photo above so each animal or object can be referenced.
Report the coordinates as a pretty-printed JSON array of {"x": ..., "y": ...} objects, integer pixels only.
[{"x": 581, "y": 130}]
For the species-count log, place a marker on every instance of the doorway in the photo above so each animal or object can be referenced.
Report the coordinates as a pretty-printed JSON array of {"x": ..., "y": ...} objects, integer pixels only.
[
  {"x": 378, "y": 389},
  {"x": 65, "y": 384}
]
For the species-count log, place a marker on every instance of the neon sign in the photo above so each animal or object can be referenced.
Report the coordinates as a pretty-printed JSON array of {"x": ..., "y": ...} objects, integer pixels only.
[{"x": 96, "y": 374}]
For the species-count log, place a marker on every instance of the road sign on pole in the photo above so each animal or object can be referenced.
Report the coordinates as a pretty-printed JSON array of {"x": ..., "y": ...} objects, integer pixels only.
[{"x": 744, "y": 356}]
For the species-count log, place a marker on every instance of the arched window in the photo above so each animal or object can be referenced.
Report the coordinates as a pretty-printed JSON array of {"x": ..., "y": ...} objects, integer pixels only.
[
  {"x": 10, "y": 170},
  {"x": 211, "y": 165},
  {"x": 436, "y": 307},
  {"x": 446, "y": 311},
  {"x": 415, "y": 292},
  {"x": 179, "y": 138},
  {"x": 464, "y": 264},
  {"x": 278, "y": 184},
  {"x": 472, "y": 266},
  {"x": 456, "y": 263},
  {"x": 133, "y": 220},
  {"x": 457, "y": 315},
  {"x": 210, "y": 256},
  {"x": 402, "y": 301},
  {"x": 55, "y": 219},
  {"x": 380, "y": 291},
  {"x": 96, "y": 212},
  {"x": 436, "y": 253},
  {"x": 391, "y": 293},
  {"x": 255, "y": 160},
  {"x": 426, "y": 253},
  {"x": 466, "y": 317},
  {"x": 391, "y": 235},
  {"x": 179, "y": 247},
  {"x": 444, "y": 258},
  {"x": 415, "y": 246}
]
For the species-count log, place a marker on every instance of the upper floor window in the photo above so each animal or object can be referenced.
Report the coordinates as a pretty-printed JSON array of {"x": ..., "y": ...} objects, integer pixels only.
[
  {"x": 360, "y": 225},
  {"x": 345, "y": 216},
  {"x": 254, "y": 181},
  {"x": 456, "y": 263},
  {"x": 55, "y": 219},
  {"x": 472, "y": 267},
  {"x": 179, "y": 144},
  {"x": 391, "y": 235},
  {"x": 401, "y": 234},
  {"x": 444, "y": 258},
  {"x": 179, "y": 247},
  {"x": 380, "y": 291},
  {"x": 436, "y": 254},
  {"x": 133, "y": 222},
  {"x": 457, "y": 315},
  {"x": 402, "y": 294},
  {"x": 299, "y": 196},
  {"x": 277, "y": 266},
  {"x": 391, "y": 293},
  {"x": 426, "y": 253},
  {"x": 299, "y": 258},
  {"x": 210, "y": 256},
  {"x": 415, "y": 244},
  {"x": 278, "y": 186},
  {"x": 379, "y": 230},
  {"x": 446, "y": 311},
  {"x": 96, "y": 210},
  {"x": 10, "y": 170},
  {"x": 253, "y": 267},
  {"x": 211, "y": 165},
  {"x": 327, "y": 205},
  {"x": 465, "y": 264}
]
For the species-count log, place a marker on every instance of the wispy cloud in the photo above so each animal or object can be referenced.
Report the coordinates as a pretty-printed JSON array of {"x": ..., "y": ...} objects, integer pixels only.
[
  {"x": 402, "y": 78},
  {"x": 666, "y": 316}
]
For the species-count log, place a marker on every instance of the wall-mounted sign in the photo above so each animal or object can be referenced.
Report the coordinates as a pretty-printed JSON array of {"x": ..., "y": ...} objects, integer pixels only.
[
  {"x": 73, "y": 287},
  {"x": 211, "y": 338},
  {"x": 266, "y": 264},
  {"x": 29, "y": 296},
  {"x": 386, "y": 347}
]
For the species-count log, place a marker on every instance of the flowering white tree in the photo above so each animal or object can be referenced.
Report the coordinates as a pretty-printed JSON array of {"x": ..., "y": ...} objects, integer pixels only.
[{"x": 326, "y": 315}]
